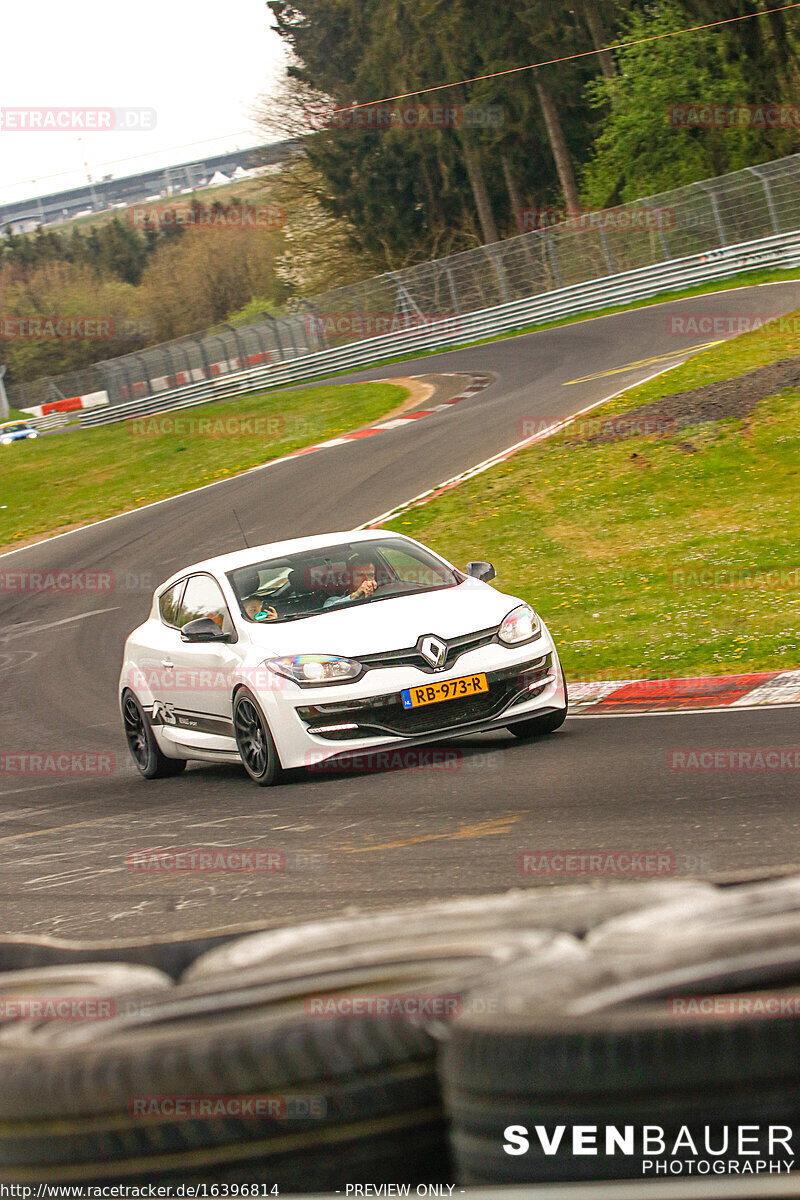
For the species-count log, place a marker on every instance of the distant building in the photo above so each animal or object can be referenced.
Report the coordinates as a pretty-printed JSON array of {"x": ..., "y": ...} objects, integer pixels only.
[{"x": 107, "y": 194}]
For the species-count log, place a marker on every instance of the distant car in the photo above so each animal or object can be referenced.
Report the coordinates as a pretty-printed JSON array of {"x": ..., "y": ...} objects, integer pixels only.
[
  {"x": 16, "y": 431},
  {"x": 301, "y": 652}
]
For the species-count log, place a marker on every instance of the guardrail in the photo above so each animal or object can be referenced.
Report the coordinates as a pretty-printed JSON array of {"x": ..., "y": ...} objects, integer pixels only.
[{"x": 782, "y": 252}]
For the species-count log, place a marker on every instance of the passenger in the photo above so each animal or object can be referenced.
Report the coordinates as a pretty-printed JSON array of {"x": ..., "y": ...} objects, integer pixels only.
[{"x": 258, "y": 610}]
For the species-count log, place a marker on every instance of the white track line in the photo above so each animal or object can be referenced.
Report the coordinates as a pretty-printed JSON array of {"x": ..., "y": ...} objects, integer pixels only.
[
  {"x": 287, "y": 458},
  {"x": 12, "y": 633},
  {"x": 488, "y": 463}
]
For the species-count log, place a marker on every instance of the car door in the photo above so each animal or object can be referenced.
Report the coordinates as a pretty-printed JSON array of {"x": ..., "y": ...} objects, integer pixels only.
[
  {"x": 151, "y": 672},
  {"x": 201, "y": 695}
]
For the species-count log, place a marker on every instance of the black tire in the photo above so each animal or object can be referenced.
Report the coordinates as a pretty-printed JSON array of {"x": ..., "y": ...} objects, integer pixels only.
[
  {"x": 723, "y": 917},
  {"x": 539, "y": 726},
  {"x": 590, "y": 1051},
  {"x": 574, "y": 910},
  {"x": 254, "y": 741},
  {"x": 65, "y": 1105},
  {"x": 147, "y": 757},
  {"x": 172, "y": 956},
  {"x": 108, "y": 988}
]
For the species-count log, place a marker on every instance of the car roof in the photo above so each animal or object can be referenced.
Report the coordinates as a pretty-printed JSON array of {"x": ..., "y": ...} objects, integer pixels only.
[
  {"x": 19, "y": 421},
  {"x": 223, "y": 563}
]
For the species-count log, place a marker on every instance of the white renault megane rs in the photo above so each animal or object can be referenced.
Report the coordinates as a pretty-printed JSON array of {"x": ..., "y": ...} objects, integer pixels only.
[{"x": 328, "y": 648}]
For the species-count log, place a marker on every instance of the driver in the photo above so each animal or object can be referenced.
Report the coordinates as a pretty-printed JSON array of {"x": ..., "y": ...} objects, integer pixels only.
[{"x": 361, "y": 570}]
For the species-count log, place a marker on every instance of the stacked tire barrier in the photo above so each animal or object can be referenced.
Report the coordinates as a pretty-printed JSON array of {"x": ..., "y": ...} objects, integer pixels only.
[{"x": 401, "y": 1047}]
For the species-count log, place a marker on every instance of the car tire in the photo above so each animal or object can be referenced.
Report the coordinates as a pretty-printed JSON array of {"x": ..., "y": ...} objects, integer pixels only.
[
  {"x": 67, "y": 1108},
  {"x": 595, "y": 1051},
  {"x": 254, "y": 741},
  {"x": 566, "y": 909},
  {"x": 724, "y": 918},
  {"x": 144, "y": 750},
  {"x": 548, "y": 723}
]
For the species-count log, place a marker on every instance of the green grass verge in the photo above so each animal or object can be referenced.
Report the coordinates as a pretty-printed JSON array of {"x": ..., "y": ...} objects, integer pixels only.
[
  {"x": 608, "y": 541},
  {"x": 74, "y": 478}
]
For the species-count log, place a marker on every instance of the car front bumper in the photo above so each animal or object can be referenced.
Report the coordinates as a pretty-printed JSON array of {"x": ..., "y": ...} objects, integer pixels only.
[{"x": 315, "y": 725}]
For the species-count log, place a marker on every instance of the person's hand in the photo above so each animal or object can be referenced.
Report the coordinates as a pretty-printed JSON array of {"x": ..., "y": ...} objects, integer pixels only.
[
  {"x": 364, "y": 590},
  {"x": 255, "y": 609}
]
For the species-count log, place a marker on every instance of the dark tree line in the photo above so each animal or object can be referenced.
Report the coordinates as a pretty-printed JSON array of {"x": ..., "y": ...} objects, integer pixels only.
[{"x": 591, "y": 130}]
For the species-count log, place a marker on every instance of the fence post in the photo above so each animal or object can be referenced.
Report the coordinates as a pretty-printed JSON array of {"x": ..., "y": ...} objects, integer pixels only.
[
  {"x": 4, "y": 409},
  {"x": 773, "y": 216},
  {"x": 288, "y": 323},
  {"x": 709, "y": 191},
  {"x": 322, "y": 335},
  {"x": 269, "y": 317},
  {"x": 201, "y": 346},
  {"x": 551, "y": 250},
  {"x": 239, "y": 347},
  {"x": 494, "y": 254},
  {"x": 659, "y": 227},
  {"x": 452, "y": 286},
  {"x": 607, "y": 251},
  {"x": 404, "y": 301}
]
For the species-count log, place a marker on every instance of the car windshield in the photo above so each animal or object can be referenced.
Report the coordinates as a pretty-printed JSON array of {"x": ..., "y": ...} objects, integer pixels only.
[
  {"x": 20, "y": 427},
  {"x": 336, "y": 577}
]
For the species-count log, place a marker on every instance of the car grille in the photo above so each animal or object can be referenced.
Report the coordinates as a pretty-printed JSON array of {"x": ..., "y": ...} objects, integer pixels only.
[
  {"x": 411, "y": 657},
  {"x": 385, "y": 715}
]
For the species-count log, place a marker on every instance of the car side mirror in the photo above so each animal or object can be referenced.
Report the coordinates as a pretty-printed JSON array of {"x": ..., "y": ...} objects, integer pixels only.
[
  {"x": 203, "y": 629},
  {"x": 481, "y": 570}
]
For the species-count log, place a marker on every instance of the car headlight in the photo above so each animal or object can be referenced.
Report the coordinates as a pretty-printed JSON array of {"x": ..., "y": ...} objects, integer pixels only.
[
  {"x": 315, "y": 668},
  {"x": 520, "y": 625}
]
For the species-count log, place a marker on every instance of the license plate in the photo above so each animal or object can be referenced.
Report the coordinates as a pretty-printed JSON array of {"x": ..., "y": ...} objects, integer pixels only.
[{"x": 446, "y": 689}]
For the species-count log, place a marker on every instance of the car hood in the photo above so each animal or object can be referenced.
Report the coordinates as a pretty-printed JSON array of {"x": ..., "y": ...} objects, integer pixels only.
[{"x": 382, "y": 625}]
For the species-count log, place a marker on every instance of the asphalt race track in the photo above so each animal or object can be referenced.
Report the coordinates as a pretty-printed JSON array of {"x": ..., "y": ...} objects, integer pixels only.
[{"x": 366, "y": 839}]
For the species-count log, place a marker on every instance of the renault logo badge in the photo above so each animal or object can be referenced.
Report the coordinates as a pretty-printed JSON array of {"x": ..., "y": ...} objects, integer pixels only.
[{"x": 433, "y": 650}]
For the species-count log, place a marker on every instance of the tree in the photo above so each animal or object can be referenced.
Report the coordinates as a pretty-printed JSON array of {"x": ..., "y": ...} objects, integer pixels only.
[{"x": 643, "y": 147}]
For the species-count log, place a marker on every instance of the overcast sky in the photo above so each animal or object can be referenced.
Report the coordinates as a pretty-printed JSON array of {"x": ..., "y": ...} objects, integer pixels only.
[{"x": 201, "y": 65}]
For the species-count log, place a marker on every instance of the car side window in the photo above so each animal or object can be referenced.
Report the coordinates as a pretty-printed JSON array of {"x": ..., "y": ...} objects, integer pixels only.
[
  {"x": 415, "y": 570},
  {"x": 203, "y": 598},
  {"x": 169, "y": 604}
]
